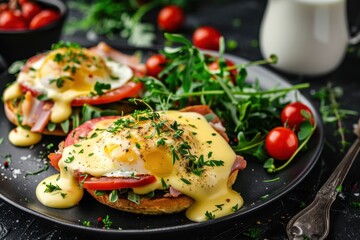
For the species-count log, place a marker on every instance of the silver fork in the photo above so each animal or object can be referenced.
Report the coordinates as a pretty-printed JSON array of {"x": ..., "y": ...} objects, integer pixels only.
[{"x": 313, "y": 221}]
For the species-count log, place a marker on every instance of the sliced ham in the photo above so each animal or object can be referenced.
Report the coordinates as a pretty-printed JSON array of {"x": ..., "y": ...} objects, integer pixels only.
[
  {"x": 172, "y": 192},
  {"x": 36, "y": 113},
  {"x": 106, "y": 51},
  {"x": 239, "y": 163}
]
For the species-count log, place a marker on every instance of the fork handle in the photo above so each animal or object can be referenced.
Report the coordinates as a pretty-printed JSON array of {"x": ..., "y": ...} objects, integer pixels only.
[{"x": 313, "y": 221}]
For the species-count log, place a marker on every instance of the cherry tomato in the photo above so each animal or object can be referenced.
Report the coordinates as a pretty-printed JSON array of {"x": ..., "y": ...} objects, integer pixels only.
[
  {"x": 292, "y": 115},
  {"x": 206, "y": 38},
  {"x": 43, "y": 18},
  {"x": 171, "y": 18},
  {"x": 11, "y": 20},
  {"x": 3, "y": 7},
  {"x": 281, "y": 143},
  {"x": 233, "y": 73},
  {"x": 155, "y": 64},
  {"x": 29, "y": 10}
]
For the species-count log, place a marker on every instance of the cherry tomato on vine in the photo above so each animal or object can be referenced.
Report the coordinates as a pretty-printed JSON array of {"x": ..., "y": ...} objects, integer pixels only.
[
  {"x": 10, "y": 20},
  {"x": 233, "y": 73},
  {"x": 171, "y": 18},
  {"x": 43, "y": 18},
  {"x": 281, "y": 143},
  {"x": 206, "y": 38},
  {"x": 155, "y": 64},
  {"x": 293, "y": 115}
]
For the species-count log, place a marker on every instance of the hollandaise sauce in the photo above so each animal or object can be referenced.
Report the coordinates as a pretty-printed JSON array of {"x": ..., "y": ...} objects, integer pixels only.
[
  {"x": 22, "y": 137},
  {"x": 180, "y": 149}
]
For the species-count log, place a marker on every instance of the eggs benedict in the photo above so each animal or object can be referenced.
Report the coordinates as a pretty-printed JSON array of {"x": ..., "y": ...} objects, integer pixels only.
[
  {"x": 148, "y": 162},
  {"x": 51, "y": 89}
]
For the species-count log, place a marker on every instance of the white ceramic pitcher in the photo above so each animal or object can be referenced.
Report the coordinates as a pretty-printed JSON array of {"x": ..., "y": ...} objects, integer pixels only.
[{"x": 309, "y": 37}]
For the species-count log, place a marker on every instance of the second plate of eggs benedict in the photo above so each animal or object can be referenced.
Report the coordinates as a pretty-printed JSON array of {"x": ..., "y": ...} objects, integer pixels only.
[{"x": 52, "y": 85}]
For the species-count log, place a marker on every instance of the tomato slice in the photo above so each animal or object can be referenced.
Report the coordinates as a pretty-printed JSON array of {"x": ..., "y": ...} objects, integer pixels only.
[
  {"x": 54, "y": 160},
  {"x": 111, "y": 183},
  {"x": 130, "y": 89},
  {"x": 83, "y": 130}
]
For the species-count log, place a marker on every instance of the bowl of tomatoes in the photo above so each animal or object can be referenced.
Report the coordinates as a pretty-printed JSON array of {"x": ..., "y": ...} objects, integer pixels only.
[{"x": 29, "y": 27}]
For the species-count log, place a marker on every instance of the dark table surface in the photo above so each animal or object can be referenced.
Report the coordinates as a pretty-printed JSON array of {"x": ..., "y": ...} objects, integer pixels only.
[{"x": 270, "y": 221}]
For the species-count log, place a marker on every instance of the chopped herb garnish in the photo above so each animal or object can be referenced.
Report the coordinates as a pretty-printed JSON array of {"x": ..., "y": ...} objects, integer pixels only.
[
  {"x": 63, "y": 195},
  {"x": 70, "y": 159},
  {"x": 254, "y": 233},
  {"x": 219, "y": 206},
  {"x": 209, "y": 215},
  {"x": 51, "y": 187},
  {"x": 100, "y": 87},
  {"x": 187, "y": 182},
  {"x": 49, "y": 146},
  {"x": 271, "y": 180},
  {"x": 86, "y": 223},
  {"x": 106, "y": 221},
  {"x": 235, "y": 208},
  {"x": 163, "y": 183},
  {"x": 355, "y": 204},
  {"x": 45, "y": 168},
  {"x": 339, "y": 188}
]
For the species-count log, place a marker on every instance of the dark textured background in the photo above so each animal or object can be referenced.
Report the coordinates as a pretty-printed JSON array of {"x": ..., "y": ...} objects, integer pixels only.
[{"x": 271, "y": 220}]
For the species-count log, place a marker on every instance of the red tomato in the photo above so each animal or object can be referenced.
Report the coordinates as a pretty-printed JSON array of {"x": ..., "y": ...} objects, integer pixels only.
[
  {"x": 111, "y": 183},
  {"x": 206, "y": 38},
  {"x": 130, "y": 89},
  {"x": 54, "y": 160},
  {"x": 43, "y": 18},
  {"x": 9, "y": 20},
  {"x": 281, "y": 143},
  {"x": 155, "y": 64},
  {"x": 3, "y": 7},
  {"x": 171, "y": 18},
  {"x": 29, "y": 10},
  {"x": 233, "y": 73},
  {"x": 292, "y": 115}
]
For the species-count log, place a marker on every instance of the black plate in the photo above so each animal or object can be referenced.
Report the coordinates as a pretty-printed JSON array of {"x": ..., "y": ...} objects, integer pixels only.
[{"x": 19, "y": 190}]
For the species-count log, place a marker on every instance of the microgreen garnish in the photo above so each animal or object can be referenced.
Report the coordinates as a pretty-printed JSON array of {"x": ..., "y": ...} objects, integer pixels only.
[{"x": 245, "y": 107}]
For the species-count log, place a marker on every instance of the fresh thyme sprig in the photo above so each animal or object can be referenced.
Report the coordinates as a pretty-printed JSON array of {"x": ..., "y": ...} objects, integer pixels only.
[{"x": 331, "y": 111}]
